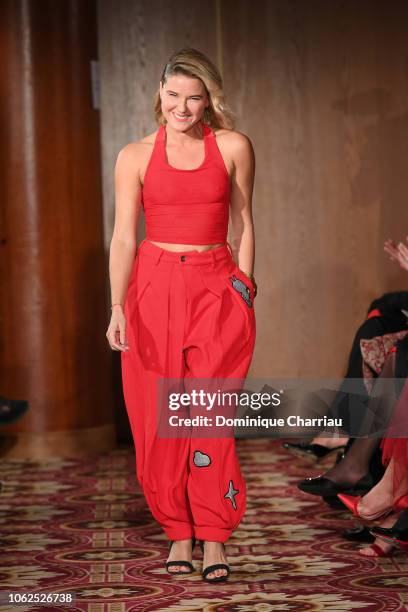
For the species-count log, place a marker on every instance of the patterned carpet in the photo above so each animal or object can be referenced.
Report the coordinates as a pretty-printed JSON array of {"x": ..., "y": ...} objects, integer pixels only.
[{"x": 82, "y": 526}]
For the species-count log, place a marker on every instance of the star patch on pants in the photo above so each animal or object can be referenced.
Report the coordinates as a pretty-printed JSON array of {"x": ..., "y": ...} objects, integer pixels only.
[
  {"x": 230, "y": 494},
  {"x": 242, "y": 289}
]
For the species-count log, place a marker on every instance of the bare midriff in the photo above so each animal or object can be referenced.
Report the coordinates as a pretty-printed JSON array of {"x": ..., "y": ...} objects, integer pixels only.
[{"x": 186, "y": 247}]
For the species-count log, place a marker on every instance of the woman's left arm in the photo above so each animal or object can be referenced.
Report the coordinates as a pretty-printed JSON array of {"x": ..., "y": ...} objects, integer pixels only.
[{"x": 242, "y": 184}]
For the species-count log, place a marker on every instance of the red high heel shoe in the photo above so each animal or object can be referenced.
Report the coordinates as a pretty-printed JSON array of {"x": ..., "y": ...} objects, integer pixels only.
[
  {"x": 351, "y": 502},
  {"x": 379, "y": 552}
]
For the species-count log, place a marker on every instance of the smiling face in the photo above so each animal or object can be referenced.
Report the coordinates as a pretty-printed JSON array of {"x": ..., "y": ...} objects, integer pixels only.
[{"x": 183, "y": 100}]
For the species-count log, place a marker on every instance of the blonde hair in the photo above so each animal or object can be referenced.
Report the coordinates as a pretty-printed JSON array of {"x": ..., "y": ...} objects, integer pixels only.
[{"x": 191, "y": 62}]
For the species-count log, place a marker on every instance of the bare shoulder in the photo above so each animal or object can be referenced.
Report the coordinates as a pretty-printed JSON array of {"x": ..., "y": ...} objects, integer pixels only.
[
  {"x": 236, "y": 149},
  {"x": 135, "y": 155},
  {"x": 138, "y": 148},
  {"x": 234, "y": 142}
]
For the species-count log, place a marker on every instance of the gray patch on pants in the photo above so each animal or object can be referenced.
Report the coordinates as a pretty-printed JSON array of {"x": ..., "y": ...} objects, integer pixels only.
[
  {"x": 201, "y": 459},
  {"x": 242, "y": 289}
]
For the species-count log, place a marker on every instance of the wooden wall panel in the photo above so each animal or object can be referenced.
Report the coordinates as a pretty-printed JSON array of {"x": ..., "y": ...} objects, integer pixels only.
[
  {"x": 321, "y": 88},
  {"x": 53, "y": 349}
]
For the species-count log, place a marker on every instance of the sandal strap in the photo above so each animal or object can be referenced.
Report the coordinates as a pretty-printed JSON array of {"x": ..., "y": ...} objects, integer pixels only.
[
  {"x": 201, "y": 543},
  {"x": 380, "y": 552},
  {"x": 182, "y": 562},
  {"x": 193, "y": 543},
  {"x": 176, "y": 563},
  {"x": 212, "y": 568}
]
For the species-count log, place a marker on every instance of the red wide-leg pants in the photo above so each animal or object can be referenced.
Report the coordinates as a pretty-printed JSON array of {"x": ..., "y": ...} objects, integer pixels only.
[{"x": 188, "y": 315}]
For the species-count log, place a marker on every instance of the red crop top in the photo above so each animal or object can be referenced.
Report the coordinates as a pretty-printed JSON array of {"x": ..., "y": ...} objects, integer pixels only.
[{"x": 186, "y": 206}]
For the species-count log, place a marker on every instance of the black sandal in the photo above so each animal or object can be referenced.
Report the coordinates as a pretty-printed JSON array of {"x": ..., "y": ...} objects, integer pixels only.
[
  {"x": 215, "y": 566},
  {"x": 178, "y": 563}
]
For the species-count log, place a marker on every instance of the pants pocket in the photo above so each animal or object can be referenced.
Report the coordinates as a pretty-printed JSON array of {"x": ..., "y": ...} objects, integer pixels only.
[
  {"x": 237, "y": 298},
  {"x": 139, "y": 303},
  {"x": 242, "y": 285}
]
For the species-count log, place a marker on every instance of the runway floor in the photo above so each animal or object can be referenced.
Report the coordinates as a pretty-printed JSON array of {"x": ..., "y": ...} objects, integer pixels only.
[{"x": 82, "y": 526}]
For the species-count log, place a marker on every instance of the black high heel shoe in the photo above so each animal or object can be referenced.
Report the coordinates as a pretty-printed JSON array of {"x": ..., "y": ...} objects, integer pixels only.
[
  {"x": 322, "y": 486},
  {"x": 313, "y": 450},
  {"x": 397, "y": 535},
  {"x": 215, "y": 566},
  {"x": 181, "y": 563}
]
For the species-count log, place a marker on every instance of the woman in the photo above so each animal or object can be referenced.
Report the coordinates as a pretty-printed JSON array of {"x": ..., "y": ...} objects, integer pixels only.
[
  {"x": 351, "y": 476},
  {"x": 183, "y": 308},
  {"x": 385, "y": 316},
  {"x": 390, "y": 495}
]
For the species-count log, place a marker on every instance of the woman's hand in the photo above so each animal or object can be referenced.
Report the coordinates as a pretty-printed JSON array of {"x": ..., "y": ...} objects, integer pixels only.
[
  {"x": 397, "y": 253},
  {"x": 116, "y": 330},
  {"x": 252, "y": 279}
]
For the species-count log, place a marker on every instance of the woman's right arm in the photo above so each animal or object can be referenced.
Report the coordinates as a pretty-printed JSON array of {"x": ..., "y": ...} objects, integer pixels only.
[{"x": 123, "y": 243}]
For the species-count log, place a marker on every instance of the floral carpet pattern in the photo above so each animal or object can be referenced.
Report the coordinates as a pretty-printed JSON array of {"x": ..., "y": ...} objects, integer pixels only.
[{"x": 82, "y": 526}]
